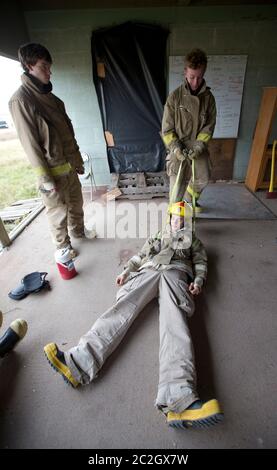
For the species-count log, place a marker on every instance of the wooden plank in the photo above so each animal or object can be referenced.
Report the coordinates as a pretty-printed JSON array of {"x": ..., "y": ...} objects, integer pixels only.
[
  {"x": 26, "y": 221},
  {"x": 142, "y": 196},
  {"x": 155, "y": 181},
  {"x": 10, "y": 210},
  {"x": 35, "y": 200},
  {"x": 128, "y": 175},
  {"x": 125, "y": 183},
  {"x": 158, "y": 174},
  {"x": 257, "y": 162},
  {"x": 111, "y": 195},
  {"x": 115, "y": 180},
  {"x": 109, "y": 139},
  {"x": 26, "y": 204},
  {"x": 10, "y": 218},
  {"x": 148, "y": 190},
  {"x": 23, "y": 206},
  {"x": 4, "y": 237},
  {"x": 141, "y": 181},
  {"x": 20, "y": 209},
  {"x": 9, "y": 214}
]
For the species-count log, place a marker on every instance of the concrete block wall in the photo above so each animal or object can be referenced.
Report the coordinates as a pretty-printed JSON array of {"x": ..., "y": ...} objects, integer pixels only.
[{"x": 218, "y": 30}]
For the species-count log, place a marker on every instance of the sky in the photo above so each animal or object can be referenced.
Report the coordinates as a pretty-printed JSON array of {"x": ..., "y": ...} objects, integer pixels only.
[{"x": 10, "y": 72}]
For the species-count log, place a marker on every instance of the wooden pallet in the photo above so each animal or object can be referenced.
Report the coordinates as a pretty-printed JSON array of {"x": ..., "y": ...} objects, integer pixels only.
[
  {"x": 141, "y": 185},
  {"x": 20, "y": 214},
  {"x": 20, "y": 209}
]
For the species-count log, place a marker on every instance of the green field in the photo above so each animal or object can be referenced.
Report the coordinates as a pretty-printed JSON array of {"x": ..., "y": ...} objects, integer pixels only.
[{"x": 17, "y": 179}]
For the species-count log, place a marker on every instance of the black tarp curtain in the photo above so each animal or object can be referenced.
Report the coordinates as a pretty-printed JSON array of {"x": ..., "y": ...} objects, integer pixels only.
[{"x": 129, "y": 73}]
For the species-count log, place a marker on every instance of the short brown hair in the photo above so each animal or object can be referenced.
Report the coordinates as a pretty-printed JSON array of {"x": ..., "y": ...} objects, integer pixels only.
[
  {"x": 31, "y": 52},
  {"x": 195, "y": 59}
]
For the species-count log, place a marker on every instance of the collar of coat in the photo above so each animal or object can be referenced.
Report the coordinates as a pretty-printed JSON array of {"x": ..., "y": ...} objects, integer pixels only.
[
  {"x": 34, "y": 84},
  {"x": 181, "y": 239},
  {"x": 202, "y": 88},
  {"x": 170, "y": 243}
]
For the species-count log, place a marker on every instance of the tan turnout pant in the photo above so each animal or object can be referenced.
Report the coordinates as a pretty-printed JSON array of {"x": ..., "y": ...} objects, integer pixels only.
[
  {"x": 64, "y": 209},
  {"x": 177, "y": 375},
  {"x": 202, "y": 175}
]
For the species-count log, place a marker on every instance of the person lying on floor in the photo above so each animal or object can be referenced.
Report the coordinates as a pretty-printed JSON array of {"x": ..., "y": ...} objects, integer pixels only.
[{"x": 172, "y": 267}]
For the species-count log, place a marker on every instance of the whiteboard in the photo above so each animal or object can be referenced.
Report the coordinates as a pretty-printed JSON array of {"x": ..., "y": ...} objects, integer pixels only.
[{"x": 225, "y": 76}]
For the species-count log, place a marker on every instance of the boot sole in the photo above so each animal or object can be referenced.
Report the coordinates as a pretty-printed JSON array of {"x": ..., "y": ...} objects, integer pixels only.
[
  {"x": 199, "y": 423},
  {"x": 204, "y": 417}
]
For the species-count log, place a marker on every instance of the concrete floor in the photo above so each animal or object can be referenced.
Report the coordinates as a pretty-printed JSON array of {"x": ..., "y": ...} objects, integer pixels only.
[{"x": 234, "y": 332}]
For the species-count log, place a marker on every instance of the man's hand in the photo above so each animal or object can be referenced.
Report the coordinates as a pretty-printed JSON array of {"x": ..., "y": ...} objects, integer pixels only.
[
  {"x": 180, "y": 154},
  {"x": 120, "y": 279},
  {"x": 198, "y": 148},
  {"x": 192, "y": 155},
  {"x": 48, "y": 188},
  {"x": 80, "y": 170},
  {"x": 194, "y": 289}
]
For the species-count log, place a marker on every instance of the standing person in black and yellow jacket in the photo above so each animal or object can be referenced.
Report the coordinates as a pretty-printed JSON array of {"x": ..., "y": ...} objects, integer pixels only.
[
  {"x": 47, "y": 136},
  {"x": 188, "y": 125}
]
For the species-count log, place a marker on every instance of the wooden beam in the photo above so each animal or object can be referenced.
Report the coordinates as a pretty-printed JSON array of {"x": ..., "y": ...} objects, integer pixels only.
[
  {"x": 258, "y": 160},
  {"x": 4, "y": 237}
]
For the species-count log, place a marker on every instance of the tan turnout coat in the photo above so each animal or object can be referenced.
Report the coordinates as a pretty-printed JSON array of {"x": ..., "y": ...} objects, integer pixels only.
[
  {"x": 45, "y": 132},
  {"x": 188, "y": 118}
]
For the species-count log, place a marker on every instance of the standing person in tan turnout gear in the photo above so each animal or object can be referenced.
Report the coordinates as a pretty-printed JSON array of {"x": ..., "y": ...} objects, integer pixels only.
[
  {"x": 188, "y": 124},
  {"x": 47, "y": 136},
  {"x": 171, "y": 267}
]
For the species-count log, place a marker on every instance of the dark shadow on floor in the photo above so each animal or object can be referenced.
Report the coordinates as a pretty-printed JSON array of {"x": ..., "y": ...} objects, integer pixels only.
[
  {"x": 203, "y": 355},
  {"x": 10, "y": 366}
]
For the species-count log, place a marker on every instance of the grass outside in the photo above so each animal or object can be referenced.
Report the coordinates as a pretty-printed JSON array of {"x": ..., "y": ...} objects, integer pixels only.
[{"x": 17, "y": 178}]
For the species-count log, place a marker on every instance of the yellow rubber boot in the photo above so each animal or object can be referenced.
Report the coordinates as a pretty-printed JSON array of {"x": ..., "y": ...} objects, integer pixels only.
[
  {"x": 199, "y": 415},
  {"x": 16, "y": 332},
  {"x": 56, "y": 359}
]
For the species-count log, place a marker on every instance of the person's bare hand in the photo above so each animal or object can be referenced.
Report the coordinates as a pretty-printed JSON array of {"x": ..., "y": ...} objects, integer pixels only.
[
  {"x": 194, "y": 289},
  {"x": 120, "y": 279}
]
